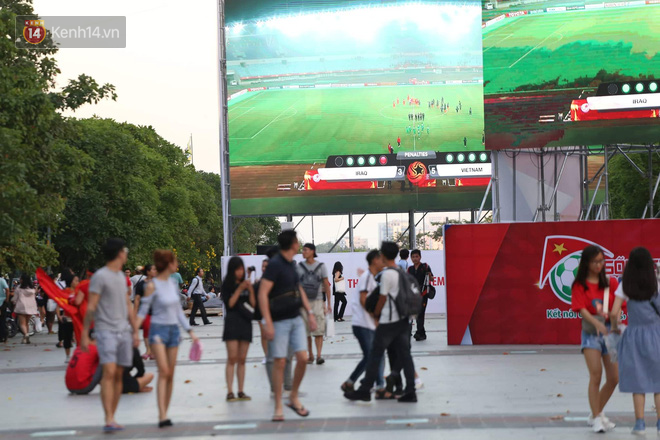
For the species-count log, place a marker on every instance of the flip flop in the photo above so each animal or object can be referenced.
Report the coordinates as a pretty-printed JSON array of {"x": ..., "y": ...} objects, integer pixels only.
[
  {"x": 277, "y": 419},
  {"x": 302, "y": 412},
  {"x": 113, "y": 427}
]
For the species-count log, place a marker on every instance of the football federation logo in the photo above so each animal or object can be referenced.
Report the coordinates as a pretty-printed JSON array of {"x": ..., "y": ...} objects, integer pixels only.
[
  {"x": 34, "y": 31},
  {"x": 417, "y": 172},
  {"x": 561, "y": 258}
]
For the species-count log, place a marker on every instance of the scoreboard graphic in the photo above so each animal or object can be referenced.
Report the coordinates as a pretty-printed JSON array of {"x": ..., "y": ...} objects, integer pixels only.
[{"x": 418, "y": 168}]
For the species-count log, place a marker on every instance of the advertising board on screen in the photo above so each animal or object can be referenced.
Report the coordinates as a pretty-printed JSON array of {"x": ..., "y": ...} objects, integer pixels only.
[
  {"x": 566, "y": 73},
  {"x": 324, "y": 97}
]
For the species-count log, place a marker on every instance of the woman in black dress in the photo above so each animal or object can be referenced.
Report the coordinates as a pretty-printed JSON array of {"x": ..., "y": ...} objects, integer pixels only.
[{"x": 238, "y": 297}]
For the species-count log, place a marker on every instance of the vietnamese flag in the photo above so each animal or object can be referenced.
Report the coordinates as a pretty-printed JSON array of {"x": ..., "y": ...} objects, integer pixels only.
[{"x": 558, "y": 247}]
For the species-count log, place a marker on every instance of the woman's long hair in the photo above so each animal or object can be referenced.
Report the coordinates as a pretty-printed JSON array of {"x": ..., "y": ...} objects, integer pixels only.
[
  {"x": 588, "y": 254},
  {"x": 26, "y": 281},
  {"x": 640, "y": 282},
  {"x": 230, "y": 281},
  {"x": 338, "y": 267}
]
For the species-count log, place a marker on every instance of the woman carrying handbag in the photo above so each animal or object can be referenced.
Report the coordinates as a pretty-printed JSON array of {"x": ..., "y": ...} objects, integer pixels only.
[
  {"x": 238, "y": 297},
  {"x": 591, "y": 297}
]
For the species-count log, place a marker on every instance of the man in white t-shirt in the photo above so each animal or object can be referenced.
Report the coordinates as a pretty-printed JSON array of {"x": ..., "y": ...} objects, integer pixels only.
[
  {"x": 403, "y": 261},
  {"x": 364, "y": 327},
  {"x": 392, "y": 332}
]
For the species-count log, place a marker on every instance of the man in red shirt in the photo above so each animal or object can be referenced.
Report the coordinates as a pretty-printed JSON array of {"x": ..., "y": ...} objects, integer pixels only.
[{"x": 398, "y": 141}]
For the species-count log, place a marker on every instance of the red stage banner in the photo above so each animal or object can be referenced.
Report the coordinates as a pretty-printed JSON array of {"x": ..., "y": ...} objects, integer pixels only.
[{"x": 511, "y": 283}]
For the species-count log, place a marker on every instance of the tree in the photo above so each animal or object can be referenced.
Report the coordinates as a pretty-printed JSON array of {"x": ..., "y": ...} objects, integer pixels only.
[
  {"x": 37, "y": 165},
  {"x": 629, "y": 190}
]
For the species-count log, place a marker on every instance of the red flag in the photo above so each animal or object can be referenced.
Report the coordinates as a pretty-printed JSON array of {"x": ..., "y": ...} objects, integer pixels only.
[{"x": 61, "y": 297}]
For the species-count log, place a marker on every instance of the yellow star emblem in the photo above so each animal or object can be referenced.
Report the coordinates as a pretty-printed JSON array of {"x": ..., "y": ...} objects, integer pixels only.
[{"x": 560, "y": 248}]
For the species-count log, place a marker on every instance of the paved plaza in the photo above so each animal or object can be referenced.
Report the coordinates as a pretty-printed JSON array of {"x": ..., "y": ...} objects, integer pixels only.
[{"x": 483, "y": 392}]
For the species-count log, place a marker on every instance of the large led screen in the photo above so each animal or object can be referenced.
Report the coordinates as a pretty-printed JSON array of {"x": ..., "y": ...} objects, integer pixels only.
[
  {"x": 348, "y": 106},
  {"x": 560, "y": 73}
]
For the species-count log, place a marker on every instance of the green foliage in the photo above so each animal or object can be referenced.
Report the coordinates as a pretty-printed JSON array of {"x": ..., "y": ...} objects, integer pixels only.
[
  {"x": 36, "y": 164},
  {"x": 629, "y": 190},
  {"x": 82, "y": 181}
]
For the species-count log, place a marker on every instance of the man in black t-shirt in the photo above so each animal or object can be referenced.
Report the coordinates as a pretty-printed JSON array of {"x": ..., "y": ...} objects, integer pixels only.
[
  {"x": 420, "y": 270},
  {"x": 280, "y": 299}
]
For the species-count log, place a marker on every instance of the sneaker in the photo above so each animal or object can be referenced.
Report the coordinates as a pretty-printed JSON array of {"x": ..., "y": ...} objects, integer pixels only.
[
  {"x": 66, "y": 361},
  {"x": 598, "y": 425},
  {"x": 419, "y": 384},
  {"x": 408, "y": 398},
  {"x": 607, "y": 423},
  {"x": 263, "y": 361},
  {"x": 640, "y": 427},
  {"x": 365, "y": 396}
]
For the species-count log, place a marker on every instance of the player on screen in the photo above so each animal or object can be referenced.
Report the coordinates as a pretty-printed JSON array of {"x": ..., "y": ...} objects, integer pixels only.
[
  {"x": 398, "y": 141},
  {"x": 389, "y": 148},
  {"x": 470, "y": 111},
  {"x": 465, "y": 142}
]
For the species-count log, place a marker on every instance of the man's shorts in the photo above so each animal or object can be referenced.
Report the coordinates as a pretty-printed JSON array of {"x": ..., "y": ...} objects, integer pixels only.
[
  {"x": 318, "y": 309},
  {"x": 288, "y": 333},
  {"x": 115, "y": 347},
  {"x": 597, "y": 342}
]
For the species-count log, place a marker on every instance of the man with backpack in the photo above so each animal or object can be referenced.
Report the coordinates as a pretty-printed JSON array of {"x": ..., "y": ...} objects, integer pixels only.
[
  {"x": 424, "y": 276},
  {"x": 399, "y": 299},
  {"x": 314, "y": 281}
]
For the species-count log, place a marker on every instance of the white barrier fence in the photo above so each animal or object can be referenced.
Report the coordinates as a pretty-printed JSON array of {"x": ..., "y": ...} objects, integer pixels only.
[{"x": 355, "y": 261}]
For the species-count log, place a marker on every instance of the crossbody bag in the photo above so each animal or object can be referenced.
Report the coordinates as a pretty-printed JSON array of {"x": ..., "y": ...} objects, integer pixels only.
[{"x": 587, "y": 326}]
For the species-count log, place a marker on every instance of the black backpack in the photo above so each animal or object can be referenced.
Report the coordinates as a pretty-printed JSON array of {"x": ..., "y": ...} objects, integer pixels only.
[
  {"x": 372, "y": 298},
  {"x": 311, "y": 280},
  {"x": 409, "y": 300}
]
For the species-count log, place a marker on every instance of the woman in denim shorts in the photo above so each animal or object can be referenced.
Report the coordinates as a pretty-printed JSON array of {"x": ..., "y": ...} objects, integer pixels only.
[
  {"x": 162, "y": 296},
  {"x": 587, "y": 298}
]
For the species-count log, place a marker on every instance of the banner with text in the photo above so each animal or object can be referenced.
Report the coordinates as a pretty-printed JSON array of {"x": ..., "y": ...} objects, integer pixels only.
[
  {"x": 511, "y": 283},
  {"x": 355, "y": 263}
]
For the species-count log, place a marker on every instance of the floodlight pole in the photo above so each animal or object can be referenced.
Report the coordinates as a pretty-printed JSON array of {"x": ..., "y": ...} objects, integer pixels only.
[{"x": 224, "y": 140}]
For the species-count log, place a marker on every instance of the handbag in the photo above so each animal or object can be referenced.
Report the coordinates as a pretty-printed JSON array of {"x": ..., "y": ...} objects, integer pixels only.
[
  {"x": 329, "y": 325},
  {"x": 430, "y": 289},
  {"x": 588, "y": 327},
  {"x": 285, "y": 304},
  {"x": 195, "y": 351},
  {"x": 246, "y": 310}
]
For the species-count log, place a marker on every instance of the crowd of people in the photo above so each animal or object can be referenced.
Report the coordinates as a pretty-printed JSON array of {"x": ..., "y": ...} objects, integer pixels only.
[{"x": 291, "y": 303}]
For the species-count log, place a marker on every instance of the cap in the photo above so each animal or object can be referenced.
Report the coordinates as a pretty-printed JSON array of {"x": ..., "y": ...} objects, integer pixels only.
[{"x": 311, "y": 247}]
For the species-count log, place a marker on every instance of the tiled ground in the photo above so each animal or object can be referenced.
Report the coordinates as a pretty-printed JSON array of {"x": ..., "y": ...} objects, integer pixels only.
[{"x": 470, "y": 393}]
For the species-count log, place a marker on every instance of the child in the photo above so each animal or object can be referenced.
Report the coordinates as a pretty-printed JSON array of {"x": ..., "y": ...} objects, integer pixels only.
[{"x": 639, "y": 349}]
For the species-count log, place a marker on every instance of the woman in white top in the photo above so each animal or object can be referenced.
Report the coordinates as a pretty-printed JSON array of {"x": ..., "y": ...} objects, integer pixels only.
[
  {"x": 162, "y": 296},
  {"x": 25, "y": 301},
  {"x": 339, "y": 284}
]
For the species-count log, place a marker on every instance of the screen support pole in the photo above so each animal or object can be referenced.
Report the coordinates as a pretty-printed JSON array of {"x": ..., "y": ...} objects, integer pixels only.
[
  {"x": 606, "y": 205},
  {"x": 351, "y": 237},
  {"x": 411, "y": 226},
  {"x": 224, "y": 140}
]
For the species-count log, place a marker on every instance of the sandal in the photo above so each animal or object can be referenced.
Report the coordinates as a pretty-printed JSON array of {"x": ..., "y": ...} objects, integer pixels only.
[
  {"x": 384, "y": 395},
  {"x": 231, "y": 397},
  {"x": 310, "y": 360},
  {"x": 243, "y": 397},
  {"x": 277, "y": 418},
  {"x": 345, "y": 387},
  {"x": 302, "y": 411}
]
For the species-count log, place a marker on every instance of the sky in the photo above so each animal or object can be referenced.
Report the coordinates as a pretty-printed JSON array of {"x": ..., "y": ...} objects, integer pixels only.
[{"x": 167, "y": 77}]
